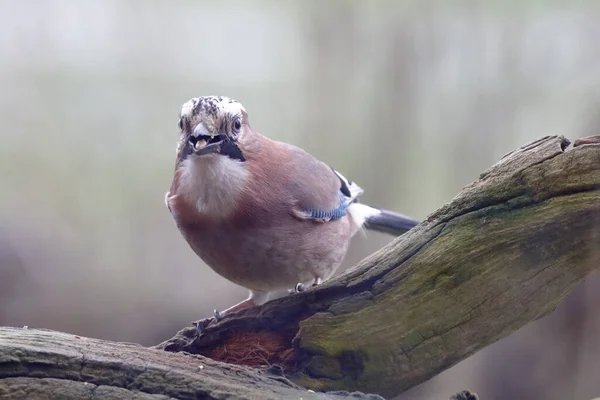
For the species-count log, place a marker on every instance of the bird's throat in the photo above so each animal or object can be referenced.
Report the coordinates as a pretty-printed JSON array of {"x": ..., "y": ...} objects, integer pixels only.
[{"x": 212, "y": 183}]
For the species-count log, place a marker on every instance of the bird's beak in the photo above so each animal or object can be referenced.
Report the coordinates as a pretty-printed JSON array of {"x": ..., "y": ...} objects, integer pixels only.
[{"x": 202, "y": 141}]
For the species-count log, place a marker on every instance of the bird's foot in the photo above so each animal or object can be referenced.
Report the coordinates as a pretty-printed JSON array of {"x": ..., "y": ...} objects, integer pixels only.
[
  {"x": 202, "y": 324},
  {"x": 298, "y": 288}
]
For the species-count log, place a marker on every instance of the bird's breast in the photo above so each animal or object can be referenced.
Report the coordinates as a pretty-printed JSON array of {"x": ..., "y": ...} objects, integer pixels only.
[
  {"x": 211, "y": 185},
  {"x": 264, "y": 250},
  {"x": 238, "y": 218}
]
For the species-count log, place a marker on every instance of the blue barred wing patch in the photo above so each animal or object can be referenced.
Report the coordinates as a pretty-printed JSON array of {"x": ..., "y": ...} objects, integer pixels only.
[{"x": 333, "y": 214}]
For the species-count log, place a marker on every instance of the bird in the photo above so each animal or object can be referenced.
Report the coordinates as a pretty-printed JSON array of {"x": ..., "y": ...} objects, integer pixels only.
[{"x": 264, "y": 214}]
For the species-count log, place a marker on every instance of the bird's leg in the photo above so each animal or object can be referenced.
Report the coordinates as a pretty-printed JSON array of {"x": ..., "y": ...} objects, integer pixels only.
[
  {"x": 242, "y": 305},
  {"x": 256, "y": 298},
  {"x": 300, "y": 287},
  {"x": 587, "y": 140}
]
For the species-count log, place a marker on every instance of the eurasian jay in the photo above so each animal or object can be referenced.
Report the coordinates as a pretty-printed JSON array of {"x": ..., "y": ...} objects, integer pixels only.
[{"x": 263, "y": 214}]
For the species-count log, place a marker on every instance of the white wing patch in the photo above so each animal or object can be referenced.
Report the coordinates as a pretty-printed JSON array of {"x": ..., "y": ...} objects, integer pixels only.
[{"x": 350, "y": 189}]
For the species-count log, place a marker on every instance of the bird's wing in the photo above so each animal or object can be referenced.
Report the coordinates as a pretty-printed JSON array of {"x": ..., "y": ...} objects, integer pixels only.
[
  {"x": 320, "y": 192},
  {"x": 167, "y": 195}
]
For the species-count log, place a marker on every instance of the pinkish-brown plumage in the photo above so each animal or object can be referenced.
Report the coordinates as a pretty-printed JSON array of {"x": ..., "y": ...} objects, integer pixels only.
[{"x": 263, "y": 214}]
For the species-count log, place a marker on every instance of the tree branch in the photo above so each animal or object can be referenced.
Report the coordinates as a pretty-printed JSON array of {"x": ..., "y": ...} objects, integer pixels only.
[
  {"x": 44, "y": 364},
  {"x": 502, "y": 253}
]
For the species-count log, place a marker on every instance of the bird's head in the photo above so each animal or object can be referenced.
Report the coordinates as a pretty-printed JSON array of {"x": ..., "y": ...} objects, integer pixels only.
[{"x": 212, "y": 125}]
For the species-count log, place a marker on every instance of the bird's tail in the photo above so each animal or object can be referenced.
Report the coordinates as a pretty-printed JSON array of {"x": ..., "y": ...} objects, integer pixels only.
[
  {"x": 390, "y": 222},
  {"x": 382, "y": 220}
]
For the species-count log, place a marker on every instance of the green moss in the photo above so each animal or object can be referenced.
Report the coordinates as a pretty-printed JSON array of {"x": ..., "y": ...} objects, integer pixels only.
[
  {"x": 325, "y": 367},
  {"x": 459, "y": 297}
]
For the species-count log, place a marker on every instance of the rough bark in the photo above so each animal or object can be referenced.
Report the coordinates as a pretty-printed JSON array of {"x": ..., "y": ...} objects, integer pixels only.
[
  {"x": 43, "y": 364},
  {"x": 502, "y": 253}
]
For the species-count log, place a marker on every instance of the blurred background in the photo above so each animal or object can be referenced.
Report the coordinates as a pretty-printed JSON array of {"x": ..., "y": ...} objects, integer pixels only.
[{"x": 412, "y": 99}]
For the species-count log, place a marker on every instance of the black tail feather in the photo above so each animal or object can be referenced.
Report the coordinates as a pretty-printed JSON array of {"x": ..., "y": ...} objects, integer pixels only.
[{"x": 390, "y": 222}]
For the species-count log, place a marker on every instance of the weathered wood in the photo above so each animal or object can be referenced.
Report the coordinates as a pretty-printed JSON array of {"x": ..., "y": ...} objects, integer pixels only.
[
  {"x": 502, "y": 253},
  {"x": 43, "y": 364}
]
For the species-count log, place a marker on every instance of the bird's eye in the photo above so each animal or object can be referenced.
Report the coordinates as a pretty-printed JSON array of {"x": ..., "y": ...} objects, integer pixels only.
[
  {"x": 237, "y": 125},
  {"x": 180, "y": 124}
]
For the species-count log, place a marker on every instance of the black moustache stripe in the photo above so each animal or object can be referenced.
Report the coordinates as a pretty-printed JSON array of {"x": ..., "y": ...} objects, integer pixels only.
[{"x": 232, "y": 151}]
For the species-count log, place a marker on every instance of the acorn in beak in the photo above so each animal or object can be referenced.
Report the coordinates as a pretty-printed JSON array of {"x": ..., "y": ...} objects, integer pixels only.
[{"x": 203, "y": 141}]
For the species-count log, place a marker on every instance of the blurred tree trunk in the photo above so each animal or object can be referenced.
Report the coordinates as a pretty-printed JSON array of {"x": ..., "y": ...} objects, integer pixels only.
[{"x": 504, "y": 252}]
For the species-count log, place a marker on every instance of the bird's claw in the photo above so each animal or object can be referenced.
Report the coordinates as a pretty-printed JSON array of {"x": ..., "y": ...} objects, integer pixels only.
[
  {"x": 297, "y": 289},
  {"x": 202, "y": 324},
  {"x": 300, "y": 287}
]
